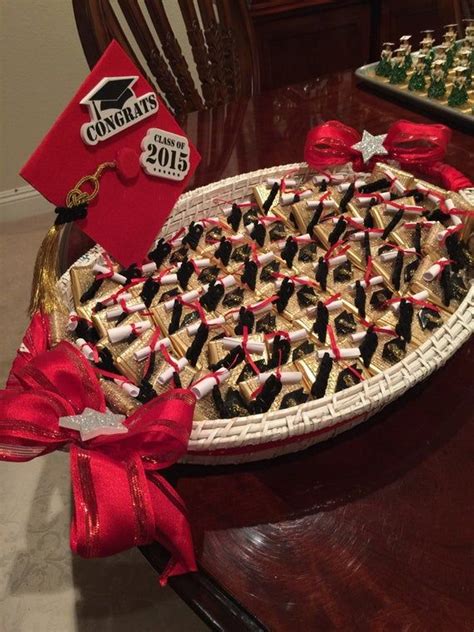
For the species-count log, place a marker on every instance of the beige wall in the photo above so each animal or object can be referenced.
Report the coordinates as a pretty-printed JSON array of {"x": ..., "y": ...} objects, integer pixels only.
[{"x": 42, "y": 64}]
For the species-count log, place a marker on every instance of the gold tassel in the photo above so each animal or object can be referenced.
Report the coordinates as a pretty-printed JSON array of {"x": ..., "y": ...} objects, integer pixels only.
[{"x": 44, "y": 293}]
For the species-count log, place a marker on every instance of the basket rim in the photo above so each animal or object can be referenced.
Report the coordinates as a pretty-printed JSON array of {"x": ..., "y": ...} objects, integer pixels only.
[{"x": 299, "y": 421}]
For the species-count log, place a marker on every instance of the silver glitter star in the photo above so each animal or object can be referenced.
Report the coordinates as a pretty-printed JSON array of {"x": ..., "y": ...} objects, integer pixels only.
[
  {"x": 371, "y": 145},
  {"x": 92, "y": 423}
]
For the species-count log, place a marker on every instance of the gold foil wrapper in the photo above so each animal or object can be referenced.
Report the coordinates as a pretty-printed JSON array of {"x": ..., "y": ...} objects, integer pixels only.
[
  {"x": 435, "y": 292},
  {"x": 261, "y": 193},
  {"x": 182, "y": 341},
  {"x": 103, "y": 324},
  {"x": 217, "y": 351},
  {"x": 116, "y": 348},
  {"x": 205, "y": 407},
  {"x": 248, "y": 388},
  {"x": 125, "y": 357},
  {"x": 310, "y": 365},
  {"x": 385, "y": 269},
  {"x": 379, "y": 363},
  {"x": 117, "y": 399},
  {"x": 162, "y": 317},
  {"x": 307, "y": 322},
  {"x": 407, "y": 179},
  {"x": 433, "y": 246},
  {"x": 372, "y": 313},
  {"x": 82, "y": 278},
  {"x": 400, "y": 235},
  {"x": 57, "y": 327},
  {"x": 419, "y": 335}
]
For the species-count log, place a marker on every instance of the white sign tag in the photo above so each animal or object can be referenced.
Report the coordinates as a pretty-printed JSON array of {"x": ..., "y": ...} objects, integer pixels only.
[{"x": 165, "y": 154}]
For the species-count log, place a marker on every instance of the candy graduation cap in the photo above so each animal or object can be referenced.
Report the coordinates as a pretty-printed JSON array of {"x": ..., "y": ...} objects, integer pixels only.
[{"x": 115, "y": 162}]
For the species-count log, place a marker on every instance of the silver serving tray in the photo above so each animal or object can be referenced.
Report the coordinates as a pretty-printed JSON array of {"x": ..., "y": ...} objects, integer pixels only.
[{"x": 419, "y": 101}]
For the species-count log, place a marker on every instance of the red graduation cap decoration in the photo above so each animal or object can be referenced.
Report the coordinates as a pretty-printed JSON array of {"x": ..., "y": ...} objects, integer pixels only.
[{"x": 116, "y": 120}]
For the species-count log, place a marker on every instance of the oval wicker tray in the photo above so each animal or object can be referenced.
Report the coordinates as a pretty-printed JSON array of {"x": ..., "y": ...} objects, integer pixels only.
[{"x": 258, "y": 437}]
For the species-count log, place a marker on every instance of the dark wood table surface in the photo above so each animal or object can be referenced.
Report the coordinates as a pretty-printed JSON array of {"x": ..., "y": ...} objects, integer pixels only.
[{"x": 372, "y": 530}]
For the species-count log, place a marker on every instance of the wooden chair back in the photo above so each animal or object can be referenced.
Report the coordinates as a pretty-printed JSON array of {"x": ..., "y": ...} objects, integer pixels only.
[
  {"x": 463, "y": 10},
  {"x": 217, "y": 34}
]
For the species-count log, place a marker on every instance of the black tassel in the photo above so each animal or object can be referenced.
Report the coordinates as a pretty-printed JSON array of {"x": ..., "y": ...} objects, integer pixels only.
[
  {"x": 392, "y": 223},
  {"x": 446, "y": 285},
  {"x": 360, "y": 298},
  {"x": 92, "y": 290},
  {"x": 281, "y": 349},
  {"x": 151, "y": 367},
  {"x": 366, "y": 244},
  {"x": 417, "y": 238},
  {"x": 259, "y": 233},
  {"x": 67, "y": 214},
  {"x": 337, "y": 231},
  {"x": 289, "y": 251},
  {"x": 405, "y": 319},
  {"x": 218, "y": 401},
  {"x": 224, "y": 250},
  {"x": 86, "y": 331},
  {"x": 320, "y": 384},
  {"x": 210, "y": 300},
  {"x": 246, "y": 319},
  {"x": 323, "y": 187},
  {"x": 438, "y": 216},
  {"x": 197, "y": 344},
  {"x": 161, "y": 251},
  {"x": 184, "y": 273},
  {"x": 193, "y": 235},
  {"x": 149, "y": 290},
  {"x": 177, "y": 380},
  {"x": 146, "y": 393},
  {"x": 267, "y": 395},
  {"x": 397, "y": 270},
  {"x": 175, "y": 317},
  {"x": 368, "y": 220},
  {"x": 456, "y": 252},
  {"x": 249, "y": 276},
  {"x": 292, "y": 219},
  {"x": 235, "y": 217},
  {"x": 322, "y": 273},
  {"x": 106, "y": 361},
  {"x": 315, "y": 219},
  {"x": 377, "y": 185},
  {"x": 346, "y": 198},
  {"x": 130, "y": 273},
  {"x": 271, "y": 197},
  {"x": 417, "y": 195},
  {"x": 321, "y": 323},
  {"x": 368, "y": 346},
  {"x": 285, "y": 292},
  {"x": 232, "y": 359}
]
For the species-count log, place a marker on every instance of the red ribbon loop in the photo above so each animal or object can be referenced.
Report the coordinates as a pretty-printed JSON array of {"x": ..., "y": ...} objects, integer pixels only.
[
  {"x": 330, "y": 144},
  {"x": 120, "y": 499},
  {"x": 415, "y": 146}
]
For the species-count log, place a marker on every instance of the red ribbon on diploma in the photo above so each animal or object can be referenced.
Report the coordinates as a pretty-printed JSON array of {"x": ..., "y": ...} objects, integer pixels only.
[
  {"x": 120, "y": 498},
  {"x": 415, "y": 146}
]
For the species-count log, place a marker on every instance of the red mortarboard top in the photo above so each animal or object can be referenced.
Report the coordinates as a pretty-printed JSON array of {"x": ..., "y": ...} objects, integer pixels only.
[{"x": 107, "y": 120}]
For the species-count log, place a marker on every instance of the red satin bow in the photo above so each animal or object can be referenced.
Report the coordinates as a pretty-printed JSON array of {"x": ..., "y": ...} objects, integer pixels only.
[
  {"x": 414, "y": 145},
  {"x": 120, "y": 499}
]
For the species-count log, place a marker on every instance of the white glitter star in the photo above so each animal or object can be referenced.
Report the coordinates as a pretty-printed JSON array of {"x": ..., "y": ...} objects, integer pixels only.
[
  {"x": 371, "y": 145},
  {"x": 92, "y": 423}
]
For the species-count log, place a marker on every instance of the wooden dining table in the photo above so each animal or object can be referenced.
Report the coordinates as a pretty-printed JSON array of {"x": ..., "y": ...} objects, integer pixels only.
[{"x": 372, "y": 530}]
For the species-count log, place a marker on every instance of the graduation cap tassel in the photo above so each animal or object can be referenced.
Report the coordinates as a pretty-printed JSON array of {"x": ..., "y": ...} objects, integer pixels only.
[{"x": 44, "y": 294}]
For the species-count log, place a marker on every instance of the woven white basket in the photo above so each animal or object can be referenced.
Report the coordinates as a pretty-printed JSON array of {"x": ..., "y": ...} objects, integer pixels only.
[{"x": 256, "y": 437}]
